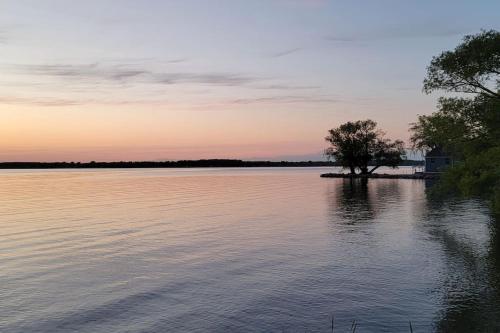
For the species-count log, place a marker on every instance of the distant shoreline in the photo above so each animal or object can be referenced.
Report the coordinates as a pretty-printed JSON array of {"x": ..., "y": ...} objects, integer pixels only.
[{"x": 206, "y": 163}]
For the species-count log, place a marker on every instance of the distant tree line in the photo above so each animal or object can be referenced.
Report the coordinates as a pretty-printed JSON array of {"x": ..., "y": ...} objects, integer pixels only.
[
  {"x": 204, "y": 163},
  {"x": 207, "y": 163}
]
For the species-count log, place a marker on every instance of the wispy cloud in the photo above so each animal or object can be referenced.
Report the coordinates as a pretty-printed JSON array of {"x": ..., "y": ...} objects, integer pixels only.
[
  {"x": 176, "y": 61},
  {"x": 95, "y": 72},
  {"x": 396, "y": 32},
  {"x": 38, "y": 101},
  {"x": 307, "y": 3},
  {"x": 82, "y": 72},
  {"x": 3, "y": 36},
  {"x": 10, "y": 32},
  {"x": 221, "y": 79},
  {"x": 286, "y": 99},
  {"x": 65, "y": 102},
  {"x": 56, "y": 102},
  {"x": 286, "y": 52},
  {"x": 284, "y": 87},
  {"x": 80, "y": 80}
]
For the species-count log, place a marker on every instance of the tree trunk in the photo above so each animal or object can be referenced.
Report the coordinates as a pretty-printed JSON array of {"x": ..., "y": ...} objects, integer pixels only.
[{"x": 353, "y": 170}]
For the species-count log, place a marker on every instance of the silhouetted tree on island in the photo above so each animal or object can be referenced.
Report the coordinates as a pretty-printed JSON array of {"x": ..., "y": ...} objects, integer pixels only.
[{"x": 359, "y": 144}]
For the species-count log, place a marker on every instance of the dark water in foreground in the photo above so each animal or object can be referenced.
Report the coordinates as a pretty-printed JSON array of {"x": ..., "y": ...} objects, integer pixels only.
[{"x": 228, "y": 250}]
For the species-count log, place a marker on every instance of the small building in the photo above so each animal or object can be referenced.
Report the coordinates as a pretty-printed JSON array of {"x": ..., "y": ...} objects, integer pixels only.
[{"x": 437, "y": 160}]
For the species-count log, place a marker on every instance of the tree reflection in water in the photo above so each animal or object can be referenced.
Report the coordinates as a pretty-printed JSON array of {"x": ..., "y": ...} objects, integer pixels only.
[
  {"x": 356, "y": 200},
  {"x": 464, "y": 275},
  {"x": 471, "y": 287}
]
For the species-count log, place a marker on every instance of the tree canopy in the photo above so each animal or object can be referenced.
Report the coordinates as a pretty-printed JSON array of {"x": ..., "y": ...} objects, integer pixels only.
[
  {"x": 359, "y": 144},
  {"x": 467, "y": 127},
  {"x": 473, "y": 67},
  {"x": 458, "y": 123},
  {"x": 462, "y": 122}
]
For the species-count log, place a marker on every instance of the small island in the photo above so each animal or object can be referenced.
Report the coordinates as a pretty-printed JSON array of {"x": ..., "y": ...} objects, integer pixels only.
[
  {"x": 416, "y": 175},
  {"x": 362, "y": 148}
]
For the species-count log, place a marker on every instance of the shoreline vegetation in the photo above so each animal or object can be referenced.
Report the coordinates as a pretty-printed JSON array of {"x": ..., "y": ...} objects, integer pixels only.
[
  {"x": 203, "y": 163},
  {"x": 417, "y": 175},
  {"x": 466, "y": 125}
]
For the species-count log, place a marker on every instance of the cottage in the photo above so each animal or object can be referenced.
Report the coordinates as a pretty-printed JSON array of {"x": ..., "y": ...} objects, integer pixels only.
[{"x": 437, "y": 160}]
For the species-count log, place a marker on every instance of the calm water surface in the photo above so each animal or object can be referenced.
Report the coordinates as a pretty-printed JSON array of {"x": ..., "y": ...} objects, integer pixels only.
[{"x": 240, "y": 250}]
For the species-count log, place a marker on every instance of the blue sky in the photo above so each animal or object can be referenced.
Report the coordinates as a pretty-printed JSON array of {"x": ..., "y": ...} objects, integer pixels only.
[{"x": 150, "y": 79}]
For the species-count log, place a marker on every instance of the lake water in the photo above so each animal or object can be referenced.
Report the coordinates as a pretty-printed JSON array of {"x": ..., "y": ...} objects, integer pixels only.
[{"x": 240, "y": 250}]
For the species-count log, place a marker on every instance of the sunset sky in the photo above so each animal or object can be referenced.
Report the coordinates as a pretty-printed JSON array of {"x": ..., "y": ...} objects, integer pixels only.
[{"x": 152, "y": 80}]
